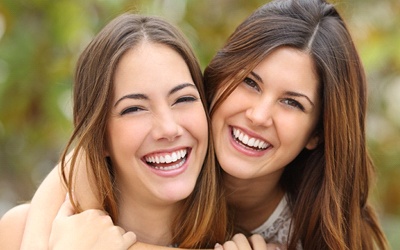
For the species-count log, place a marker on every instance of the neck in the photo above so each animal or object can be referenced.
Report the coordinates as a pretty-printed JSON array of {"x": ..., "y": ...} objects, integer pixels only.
[
  {"x": 253, "y": 200},
  {"x": 150, "y": 222}
]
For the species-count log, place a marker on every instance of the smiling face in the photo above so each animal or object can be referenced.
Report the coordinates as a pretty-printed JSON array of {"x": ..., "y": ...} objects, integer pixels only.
[
  {"x": 269, "y": 118},
  {"x": 157, "y": 129}
]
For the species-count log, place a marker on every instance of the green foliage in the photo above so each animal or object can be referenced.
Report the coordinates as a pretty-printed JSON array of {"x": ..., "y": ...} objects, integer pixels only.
[{"x": 40, "y": 41}]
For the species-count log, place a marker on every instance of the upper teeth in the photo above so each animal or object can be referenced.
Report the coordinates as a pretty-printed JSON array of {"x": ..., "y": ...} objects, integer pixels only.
[
  {"x": 167, "y": 158},
  {"x": 249, "y": 141}
]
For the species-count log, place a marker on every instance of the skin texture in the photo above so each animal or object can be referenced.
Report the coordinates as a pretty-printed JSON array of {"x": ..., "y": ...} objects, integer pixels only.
[
  {"x": 104, "y": 233},
  {"x": 156, "y": 103},
  {"x": 141, "y": 127},
  {"x": 280, "y": 108},
  {"x": 327, "y": 183},
  {"x": 10, "y": 227}
]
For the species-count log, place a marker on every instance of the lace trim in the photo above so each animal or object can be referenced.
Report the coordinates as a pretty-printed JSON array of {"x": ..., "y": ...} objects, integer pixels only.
[{"x": 276, "y": 228}]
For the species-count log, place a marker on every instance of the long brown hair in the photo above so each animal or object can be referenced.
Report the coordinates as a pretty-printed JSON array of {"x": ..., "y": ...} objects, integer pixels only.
[
  {"x": 202, "y": 221},
  {"x": 327, "y": 187}
]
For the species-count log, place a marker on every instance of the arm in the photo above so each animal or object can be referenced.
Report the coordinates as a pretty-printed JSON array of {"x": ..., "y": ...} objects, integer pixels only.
[
  {"x": 12, "y": 227},
  {"x": 91, "y": 229},
  {"x": 44, "y": 207},
  {"x": 37, "y": 223},
  {"x": 47, "y": 201}
]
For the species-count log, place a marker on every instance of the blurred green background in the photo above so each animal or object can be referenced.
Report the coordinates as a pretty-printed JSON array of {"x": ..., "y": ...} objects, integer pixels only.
[{"x": 40, "y": 41}]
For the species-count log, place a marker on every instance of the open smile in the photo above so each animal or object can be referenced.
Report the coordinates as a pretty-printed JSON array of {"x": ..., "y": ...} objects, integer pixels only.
[
  {"x": 167, "y": 161},
  {"x": 248, "y": 141}
]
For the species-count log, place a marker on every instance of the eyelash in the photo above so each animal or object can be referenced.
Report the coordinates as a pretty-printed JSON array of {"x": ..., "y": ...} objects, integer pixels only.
[
  {"x": 293, "y": 103},
  {"x": 288, "y": 101},
  {"x": 251, "y": 83},
  {"x": 179, "y": 100},
  {"x": 186, "y": 99},
  {"x": 130, "y": 110}
]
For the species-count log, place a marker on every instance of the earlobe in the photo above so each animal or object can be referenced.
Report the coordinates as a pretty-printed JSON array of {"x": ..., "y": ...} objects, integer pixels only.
[
  {"x": 106, "y": 153},
  {"x": 313, "y": 142}
]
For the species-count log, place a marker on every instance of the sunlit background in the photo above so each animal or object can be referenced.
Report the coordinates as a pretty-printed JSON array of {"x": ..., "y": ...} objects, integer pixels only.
[{"x": 40, "y": 41}]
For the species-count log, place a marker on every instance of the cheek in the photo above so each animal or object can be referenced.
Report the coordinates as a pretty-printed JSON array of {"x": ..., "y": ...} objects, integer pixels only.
[
  {"x": 226, "y": 109},
  {"x": 295, "y": 131},
  {"x": 196, "y": 120},
  {"x": 123, "y": 136}
]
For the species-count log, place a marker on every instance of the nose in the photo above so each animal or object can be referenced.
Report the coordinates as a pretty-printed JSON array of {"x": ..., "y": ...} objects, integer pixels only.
[
  {"x": 166, "y": 127},
  {"x": 260, "y": 113}
]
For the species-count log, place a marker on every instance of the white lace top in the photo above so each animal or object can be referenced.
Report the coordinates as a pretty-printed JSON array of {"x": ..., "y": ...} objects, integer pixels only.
[{"x": 276, "y": 228}]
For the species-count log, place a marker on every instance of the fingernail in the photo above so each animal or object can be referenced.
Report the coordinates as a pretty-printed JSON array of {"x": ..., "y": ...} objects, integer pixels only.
[{"x": 218, "y": 246}]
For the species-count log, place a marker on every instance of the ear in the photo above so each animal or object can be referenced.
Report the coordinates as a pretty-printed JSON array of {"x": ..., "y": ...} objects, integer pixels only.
[
  {"x": 106, "y": 147},
  {"x": 106, "y": 153},
  {"x": 313, "y": 141}
]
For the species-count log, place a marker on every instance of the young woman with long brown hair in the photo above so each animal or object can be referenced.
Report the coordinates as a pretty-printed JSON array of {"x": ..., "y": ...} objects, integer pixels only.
[
  {"x": 142, "y": 129},
  {"x": 288, "y": 99}
]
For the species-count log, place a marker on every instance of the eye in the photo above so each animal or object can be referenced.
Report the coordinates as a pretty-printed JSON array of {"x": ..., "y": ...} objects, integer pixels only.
[
  {"x": 131, "y": 110},
  {"x": 293, "y": 103},
  {"x": 184, "y": 99},
  {"x": 251, "y": 83}
]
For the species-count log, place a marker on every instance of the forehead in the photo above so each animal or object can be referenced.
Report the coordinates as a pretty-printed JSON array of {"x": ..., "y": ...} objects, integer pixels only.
[
  {"x": 150, "y": 65},
  {"x": 289, "y": 67}
]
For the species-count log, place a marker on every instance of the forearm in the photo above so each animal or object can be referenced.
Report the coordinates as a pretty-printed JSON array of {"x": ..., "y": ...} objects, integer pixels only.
[{"x": 44, "y": 206}]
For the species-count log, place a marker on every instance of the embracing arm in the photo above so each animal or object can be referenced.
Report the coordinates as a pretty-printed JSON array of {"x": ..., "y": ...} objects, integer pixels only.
[
  {"x": 35, "y": 222},
  {"x": 43, "y": 223},
  {"x": 12, "y": 227},
  {"x": 43, "y": 209},
  {"x": 46, "y": 203}
]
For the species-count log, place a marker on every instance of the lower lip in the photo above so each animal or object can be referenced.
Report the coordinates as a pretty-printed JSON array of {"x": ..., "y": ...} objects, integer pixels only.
[
  {"x": 173, "y": 172},
  {"x": 244, "y": 150}
]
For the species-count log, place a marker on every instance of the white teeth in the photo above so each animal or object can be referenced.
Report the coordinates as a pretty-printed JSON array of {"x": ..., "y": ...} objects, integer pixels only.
[
  {"x": 167, "y": 158},
  {"x": 178, "y": 165},
  {"x": 245, "y": 139},
  {"x": 249, "y": 141},
  {"x": 174, "y": 157}
]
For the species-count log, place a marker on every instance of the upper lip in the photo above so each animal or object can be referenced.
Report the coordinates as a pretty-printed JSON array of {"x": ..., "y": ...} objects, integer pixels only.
[{"x": 250, "y": 138}]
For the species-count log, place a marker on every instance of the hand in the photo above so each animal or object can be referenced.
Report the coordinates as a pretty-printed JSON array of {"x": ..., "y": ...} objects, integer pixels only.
[
  {"x": 91, "y": 229},
  {"x": 255, "y": 242}
]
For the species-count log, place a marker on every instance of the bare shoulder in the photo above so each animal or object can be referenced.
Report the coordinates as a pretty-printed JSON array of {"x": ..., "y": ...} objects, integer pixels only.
[{"x": 12, "y": 226}]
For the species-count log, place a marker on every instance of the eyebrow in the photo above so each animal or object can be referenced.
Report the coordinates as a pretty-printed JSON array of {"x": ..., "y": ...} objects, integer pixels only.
[
  {"x": 290, "y": 93},
  {"x": 145, "y": 97}
]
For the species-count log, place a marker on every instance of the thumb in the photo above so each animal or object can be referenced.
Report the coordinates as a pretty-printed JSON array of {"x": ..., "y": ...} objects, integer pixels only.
[
  {"x": 129, "y": 239},
  {"x": 66, "y": 208}
]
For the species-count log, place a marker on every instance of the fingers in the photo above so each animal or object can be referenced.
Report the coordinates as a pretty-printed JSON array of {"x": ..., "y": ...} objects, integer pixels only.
[
  {"x": 238, "y": 242},
  {"x": 129, "y": 238},
  {"x": 255, "y": 242},
  {"x": 229, "y": 245},
  {"x": 66, "y": 209},
  {"x": 258, "y": 243},
  {"x": 272, "y": 246}
]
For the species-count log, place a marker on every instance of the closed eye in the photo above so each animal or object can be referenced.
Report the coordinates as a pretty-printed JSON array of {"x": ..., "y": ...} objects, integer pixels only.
[
  {"x": 131, "y": 110},
  {"x": 185, "y": 99},
  {"x": 251, "y": 83}
]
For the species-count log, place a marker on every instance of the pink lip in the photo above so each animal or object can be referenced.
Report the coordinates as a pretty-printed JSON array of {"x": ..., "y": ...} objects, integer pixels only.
[
  {"x": 244, "y": 150},
  {"x": 173, "y": 172}
]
